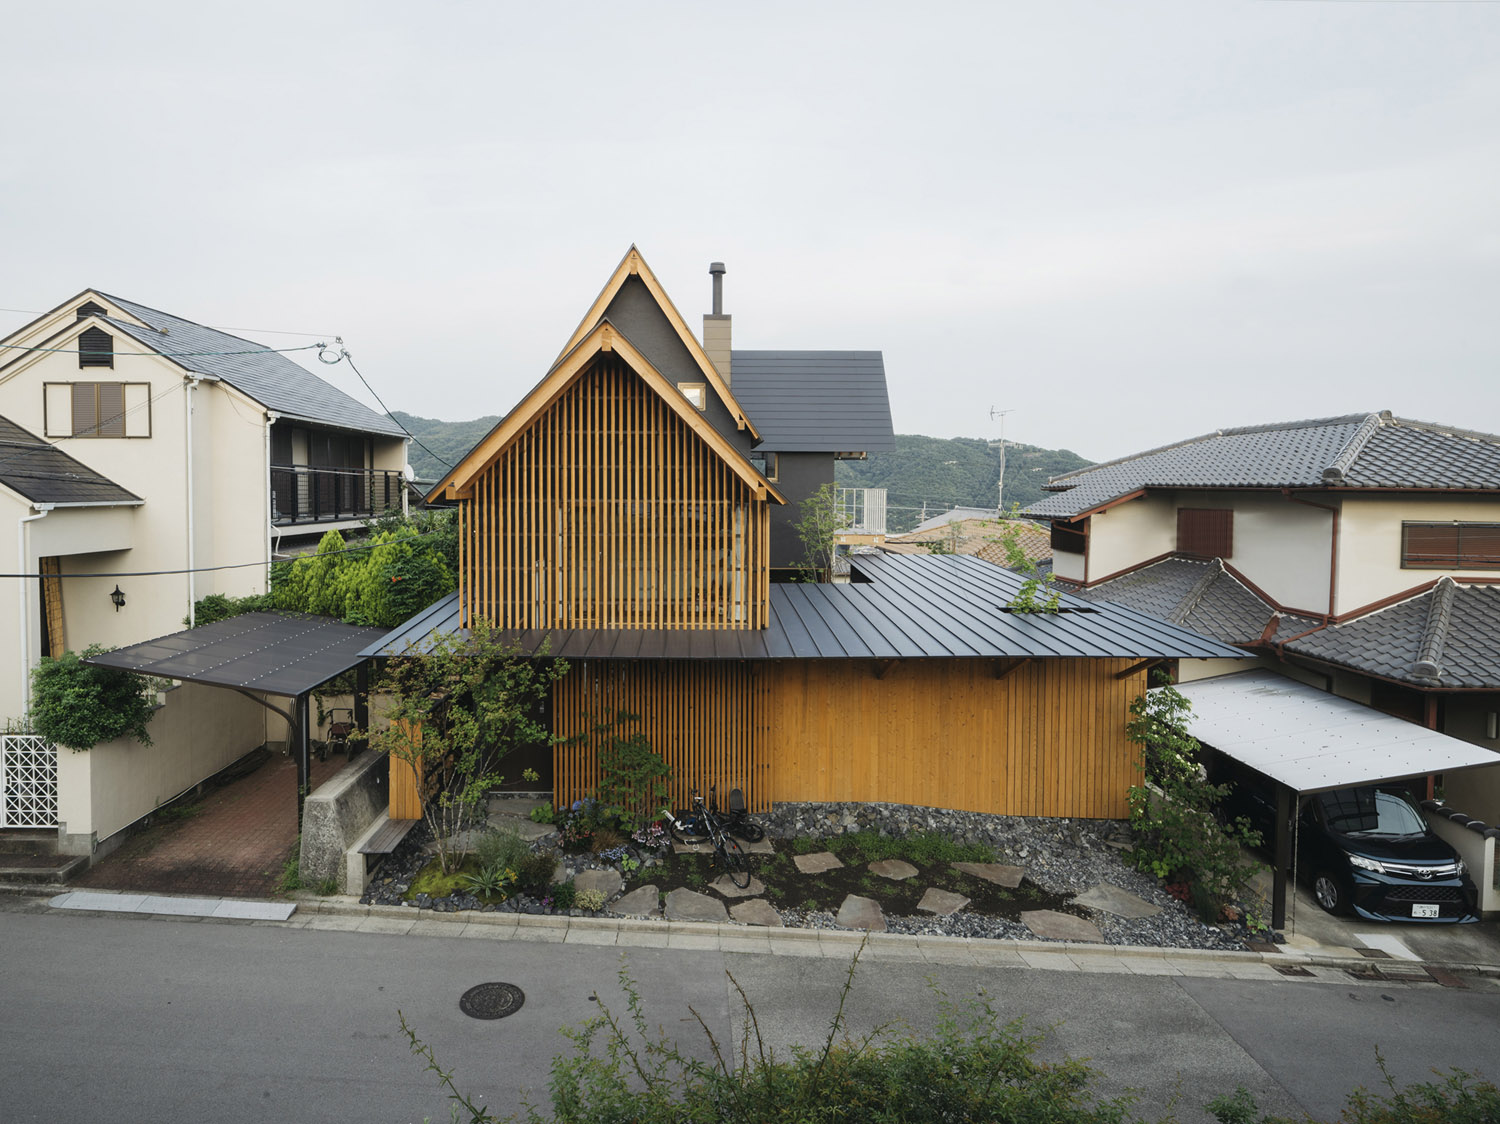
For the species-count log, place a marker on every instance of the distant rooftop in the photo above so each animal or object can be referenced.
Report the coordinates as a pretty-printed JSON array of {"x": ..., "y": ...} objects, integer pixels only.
[
  {"x": 267, "y": 376},
  {"x": 815, "y": 401},
  {"x": 1351, "y": 452}
]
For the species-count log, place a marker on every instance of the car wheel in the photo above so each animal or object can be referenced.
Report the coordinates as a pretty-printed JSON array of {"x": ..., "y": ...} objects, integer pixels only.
[{"x": 1328, "y": 891}]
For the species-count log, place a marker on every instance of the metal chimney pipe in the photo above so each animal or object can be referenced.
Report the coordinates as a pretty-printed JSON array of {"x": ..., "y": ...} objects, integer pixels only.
[{"x": 716, "y": 271}]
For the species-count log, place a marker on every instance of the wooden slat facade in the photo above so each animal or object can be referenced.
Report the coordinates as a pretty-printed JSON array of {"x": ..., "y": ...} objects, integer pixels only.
[
  {"x": 706, "y": 718},
  {"x": 608, "y": 511},
  {"x": 1047, "y": 739}
]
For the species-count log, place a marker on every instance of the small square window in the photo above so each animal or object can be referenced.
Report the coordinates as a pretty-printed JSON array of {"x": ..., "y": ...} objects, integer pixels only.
[
  {"x": 696, "y": 393},
  {"x": 766, "y": 464}
]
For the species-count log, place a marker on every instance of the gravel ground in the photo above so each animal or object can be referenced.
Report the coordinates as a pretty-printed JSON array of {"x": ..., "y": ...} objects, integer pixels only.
[{"x": 1060, "y": 855}]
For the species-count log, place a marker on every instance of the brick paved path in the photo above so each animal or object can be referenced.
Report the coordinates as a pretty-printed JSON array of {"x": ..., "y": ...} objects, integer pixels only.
[{"x": 234, "y": 846}]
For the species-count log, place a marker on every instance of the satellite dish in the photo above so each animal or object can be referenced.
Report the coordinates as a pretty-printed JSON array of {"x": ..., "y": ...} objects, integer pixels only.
[{"x": 408, "y": 473}]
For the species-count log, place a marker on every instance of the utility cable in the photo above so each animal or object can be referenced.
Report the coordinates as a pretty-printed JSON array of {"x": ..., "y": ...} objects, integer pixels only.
[
  {"x": 166, "y": 354},
  {"x": 227, "y": 565},
  {"x": 343, "y": 354}
]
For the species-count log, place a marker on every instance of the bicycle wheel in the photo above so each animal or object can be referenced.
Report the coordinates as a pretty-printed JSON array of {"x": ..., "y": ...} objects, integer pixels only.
[
  {"x": 686, "y": 828},
  {"x": 749, "y": 831},
  {"x": 735, "y": 863}
]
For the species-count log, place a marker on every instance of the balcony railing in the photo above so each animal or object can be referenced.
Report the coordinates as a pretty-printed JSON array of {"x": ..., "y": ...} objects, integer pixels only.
[
  {"x": 320, "y": 495},
  {"x": 863, "y": 510}
]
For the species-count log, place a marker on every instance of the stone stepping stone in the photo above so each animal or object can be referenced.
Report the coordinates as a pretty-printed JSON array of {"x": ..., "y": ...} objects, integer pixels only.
[
  {"x": 607, "y": 882},
  {"x": 526, "y": 829},
  {"x": 756, "y": 912},
  {"x": 1112, "y": 899},
  {"x": 644, "y": 901},
  {"x": 941, "y": 902},
  {"x": 998, "y": 873},
  {"x": 722, "y": 885},
  {"x": 861, "y": 913},
  {"x": 689, "y": 905},
  {"x": 817, "y": 863},
  {"x": 1055, "y": 926},
  {"x": 894, "y": 869}
]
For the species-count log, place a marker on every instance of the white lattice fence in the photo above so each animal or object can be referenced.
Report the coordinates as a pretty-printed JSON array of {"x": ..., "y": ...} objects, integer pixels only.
[{"x": 28, "y": 781}]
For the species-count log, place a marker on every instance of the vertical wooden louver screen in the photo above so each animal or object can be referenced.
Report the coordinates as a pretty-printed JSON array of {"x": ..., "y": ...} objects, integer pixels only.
[
  {"x": 706, "y": 718},
  {"x": 608, "y": 511}
]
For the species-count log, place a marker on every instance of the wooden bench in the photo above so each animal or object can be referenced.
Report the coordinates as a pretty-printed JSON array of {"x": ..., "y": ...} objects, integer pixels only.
[{"x": 380, "y": 838}]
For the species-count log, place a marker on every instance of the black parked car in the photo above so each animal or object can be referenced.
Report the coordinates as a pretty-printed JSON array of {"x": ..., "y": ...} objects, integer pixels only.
[{"x": 1365, "y": 851}]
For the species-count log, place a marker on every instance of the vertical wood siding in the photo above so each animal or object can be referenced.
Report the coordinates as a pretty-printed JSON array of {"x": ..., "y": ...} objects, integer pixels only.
[
  {"x": 706, "y": 718},
  {"x": 1046, "y": 740},
  {"x": 610, "y": 512}
]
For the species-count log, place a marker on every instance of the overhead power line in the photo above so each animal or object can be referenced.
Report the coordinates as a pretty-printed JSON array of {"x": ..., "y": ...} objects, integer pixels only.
[{"x": 344, "y": 354}]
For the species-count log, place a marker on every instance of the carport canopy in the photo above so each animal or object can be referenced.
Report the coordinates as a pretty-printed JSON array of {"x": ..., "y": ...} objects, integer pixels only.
[
  {"x": 1310, "y": 741},
  {"x": 272, "y": 653}
]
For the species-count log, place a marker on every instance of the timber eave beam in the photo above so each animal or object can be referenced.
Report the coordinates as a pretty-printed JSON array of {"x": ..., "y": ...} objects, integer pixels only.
[{"x": 1137, "y": 668}]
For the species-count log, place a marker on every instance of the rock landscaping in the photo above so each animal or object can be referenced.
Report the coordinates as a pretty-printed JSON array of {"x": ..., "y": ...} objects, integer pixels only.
[{"x": 1051, "y": 879}]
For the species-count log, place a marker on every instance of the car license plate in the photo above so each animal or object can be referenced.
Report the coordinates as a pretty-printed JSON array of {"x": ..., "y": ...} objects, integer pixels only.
[{"x": 1423, "y": 909}]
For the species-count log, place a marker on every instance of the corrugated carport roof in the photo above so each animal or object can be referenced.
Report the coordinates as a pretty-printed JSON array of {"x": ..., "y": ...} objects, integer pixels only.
[
  {"x": 277, "y": 653},
  {"x": 1312, "y": 741},
  {"x": 908, "y": 607}
]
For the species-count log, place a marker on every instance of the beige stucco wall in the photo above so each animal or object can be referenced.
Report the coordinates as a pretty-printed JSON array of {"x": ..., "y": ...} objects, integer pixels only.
[
  {"x": 1127, "y": 535},
  {"x": 1067, "y": 565},
  {"x": 1370, "y": 542},
  {"x": 1189, "y": 671},
  {"x": 1281, "y": 546},
  {"x": 198, "y": 731}
]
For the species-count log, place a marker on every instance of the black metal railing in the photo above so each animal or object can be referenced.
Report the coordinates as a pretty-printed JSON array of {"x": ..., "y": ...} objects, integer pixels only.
[{"x": 316, "y": 495}]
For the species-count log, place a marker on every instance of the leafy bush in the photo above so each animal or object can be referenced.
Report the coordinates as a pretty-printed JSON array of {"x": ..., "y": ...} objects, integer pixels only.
[
  {"x": 633, "y": 776},
  {"x": 1179, "y": 836},
  {"x": 503, "y": 847},
  {"x": 542, "y": 813},
  {"x": 591, "y": 900},
  {"x": 490, "y": 882},
  {"x": 218, "y": 607},
  {"x": 564, "y": 895},
  {"x": 79, "y": 705},
  {"x": 534, "y": 873}
]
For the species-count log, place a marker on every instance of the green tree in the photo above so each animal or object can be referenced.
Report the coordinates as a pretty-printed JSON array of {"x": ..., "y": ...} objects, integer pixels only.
[
  {"x": 819, "y": 520},
  {"x": 79, "y": 705},
  {"x": 456, "y": 711}
]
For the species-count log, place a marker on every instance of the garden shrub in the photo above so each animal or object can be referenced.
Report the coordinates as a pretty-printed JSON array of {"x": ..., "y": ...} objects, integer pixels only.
[
  {"x": 1179, "y": 837},
  {"x": 564, "y": 895},
  {"x": 591, "y": 900},
  {"x": 500, "y": 848},
  {"x": 79, "y": 705},
  {"x": 218, "y": 607},
  {"x": 534, "y": 873}
]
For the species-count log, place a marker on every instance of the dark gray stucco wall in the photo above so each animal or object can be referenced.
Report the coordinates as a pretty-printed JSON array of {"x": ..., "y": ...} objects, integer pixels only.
[
  {"x": 635, "y": 312},
  {"x": 800, "y": 475}
]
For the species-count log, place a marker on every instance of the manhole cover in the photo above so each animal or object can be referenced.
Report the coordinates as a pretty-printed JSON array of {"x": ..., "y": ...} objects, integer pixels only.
[
  {"x": 491, "y": 1000},
  {"x": 1291, "y": 969}
]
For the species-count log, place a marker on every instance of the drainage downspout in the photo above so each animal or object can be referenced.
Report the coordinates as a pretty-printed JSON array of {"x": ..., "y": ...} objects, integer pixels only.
[
  {"x": 1333, "y": 550},
  {"x": 24, "y": 584},
  {"x": 192, "y": 577},
  {"x": 271, "y": 419}
]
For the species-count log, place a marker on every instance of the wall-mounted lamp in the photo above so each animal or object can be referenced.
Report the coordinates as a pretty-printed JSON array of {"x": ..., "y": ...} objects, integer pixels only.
[
  {"x": 118, "y": 597},
  {"x": 1490, "y": 726}
]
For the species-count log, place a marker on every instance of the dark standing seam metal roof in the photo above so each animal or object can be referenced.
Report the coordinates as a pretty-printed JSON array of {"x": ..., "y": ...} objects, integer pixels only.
[
  {"x": 907, "y": 607},
  {"x": 267, "y": 376},
  {"x": 1356, "y": 451},
  {"x": 43, "y": 473},
  {"x": 278, "y": 653},
  {"x": 815, "y": 401}
]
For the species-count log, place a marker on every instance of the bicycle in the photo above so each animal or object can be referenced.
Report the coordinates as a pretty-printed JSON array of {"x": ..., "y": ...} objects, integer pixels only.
[{"x": 727, "y": 850}]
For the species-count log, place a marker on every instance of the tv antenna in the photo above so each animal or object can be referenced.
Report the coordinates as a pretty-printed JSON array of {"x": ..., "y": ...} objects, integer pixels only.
[{"x": 999, "y": 415}]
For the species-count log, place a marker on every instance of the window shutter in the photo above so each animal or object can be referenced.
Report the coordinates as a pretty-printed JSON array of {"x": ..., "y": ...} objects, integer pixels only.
[
  {"x": 137, "y": 409},
  {"x": 1432, "y": 545},
  {"x": 1205, "y": 532},
  {"x": 1479, "y": 545},
  {"x": 57, "y": 407},
  {"x": 96, "y": 348},
  {"x": 111, "y": 409},
  {"x": 85, "y": 409}
]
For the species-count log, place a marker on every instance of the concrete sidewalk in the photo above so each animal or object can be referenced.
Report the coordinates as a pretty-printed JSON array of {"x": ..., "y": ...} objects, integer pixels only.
[{"x": 347, "y": 915}]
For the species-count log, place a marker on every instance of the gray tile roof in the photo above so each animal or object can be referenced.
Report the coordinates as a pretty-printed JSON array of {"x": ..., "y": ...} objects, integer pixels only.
[
  {"x": 1452, "y": 629},
  {"x": 267, "y": 376},
  {"x": 1355, "y": 451},
  {"x": 815, "y": 401},
  {"x": 905, "y": 607},
  {"x": 43, "y": 473}
]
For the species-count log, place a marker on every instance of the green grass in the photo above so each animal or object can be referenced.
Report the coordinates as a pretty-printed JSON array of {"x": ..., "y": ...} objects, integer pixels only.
[{"x": 431, "y": 880}]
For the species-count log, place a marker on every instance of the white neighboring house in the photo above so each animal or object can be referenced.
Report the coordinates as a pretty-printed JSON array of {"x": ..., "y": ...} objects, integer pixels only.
[
  {"x": 1358, "y": 553},
  {"x": 153, "y": 455}
]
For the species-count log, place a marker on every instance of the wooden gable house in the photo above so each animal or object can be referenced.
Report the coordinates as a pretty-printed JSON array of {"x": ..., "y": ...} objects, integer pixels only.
[{"x": 618, "y": 518}]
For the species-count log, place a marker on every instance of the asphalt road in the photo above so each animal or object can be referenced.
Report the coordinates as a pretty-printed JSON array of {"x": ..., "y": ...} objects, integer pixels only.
[{"x": 126, "y": 1020}]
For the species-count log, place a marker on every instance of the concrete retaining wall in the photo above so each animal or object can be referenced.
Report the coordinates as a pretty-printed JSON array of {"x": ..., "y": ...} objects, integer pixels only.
[
  {"x": 338, "y": 813},
  {"x": 1474, "y": 841}
]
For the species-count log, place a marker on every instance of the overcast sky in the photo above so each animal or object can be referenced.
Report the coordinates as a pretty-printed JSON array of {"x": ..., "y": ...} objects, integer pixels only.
[{"x": 1128, "y": 221}]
